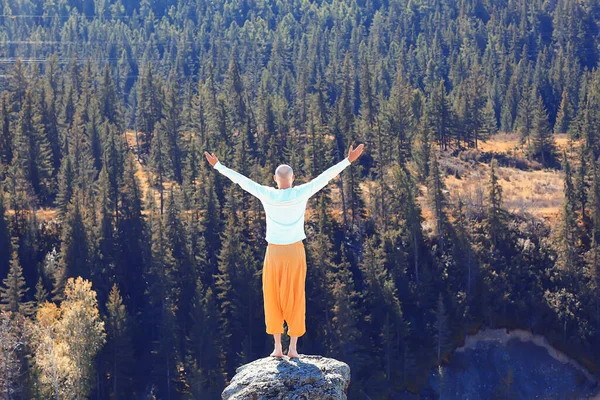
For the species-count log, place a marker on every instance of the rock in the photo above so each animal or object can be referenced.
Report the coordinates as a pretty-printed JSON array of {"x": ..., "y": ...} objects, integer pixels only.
[{"x": 307, "y": 378}]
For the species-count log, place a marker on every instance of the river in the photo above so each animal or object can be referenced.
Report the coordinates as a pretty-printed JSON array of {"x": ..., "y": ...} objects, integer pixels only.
[{"x": 496, "y": 364}]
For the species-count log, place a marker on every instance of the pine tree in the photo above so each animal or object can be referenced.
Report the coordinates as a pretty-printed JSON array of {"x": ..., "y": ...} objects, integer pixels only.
[
  {"x": 159, "y": 162},
  {"x": 14, "y": 289},
  {"x": 525, "y": 115},
  {"x": 74, "y": 250},
  {"x": 120, "y": 361},
  {"x": 399, "y": 119},
  {"x": 163, "y": 294},
  {"x": 354, "y": 201},
  {"x": 172, "y": 125},
  {"x": 18, "y": 85},
  {"x": 34, "y": 152},
  {"x": 344, "y": 314},
  {"x": 113, "y": 162},
  {"x": 149, "y": 104},
  {"x": 108, "y": 99},
  {"x": 368, "y": 110},
  {"x": 66, "y": 176},
  {"x": 581, "y": 183},
  {"x": 440, "y": 117},
  {"x": 204, "y": 344},
  {"x": 41, "y": 294},
  {"x": 49, "y": 120},
  {"x": 175, "y": 234},
  {"x": 6, "y": 145},
  {"x": 235, "y": 93},
  {"x": 442, "y": 332},
  {"x": 5, "y": 245},
  {"x": 542, "y": 142},
  {"x": 495, "y": 218},
  {"x": 228, "y": 285},
  {"x": 568, "y": 257},
  {"x": 435, "y": 191},
  {"x": 382, "y": 304},
  {"x": 345, "y": 103},
  {"x": 212, "y": 226},
  {"x": 407, "y": 213},
  {"x": 130, "y": 239},
  {"x": 565, "y": 114}
]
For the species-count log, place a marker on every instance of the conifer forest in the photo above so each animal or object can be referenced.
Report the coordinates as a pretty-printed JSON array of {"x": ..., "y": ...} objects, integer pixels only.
[{"x": 130, "y": 269}]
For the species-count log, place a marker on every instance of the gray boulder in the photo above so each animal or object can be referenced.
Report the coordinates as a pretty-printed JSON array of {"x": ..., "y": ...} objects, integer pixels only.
[{"x": 309, "y": 377}]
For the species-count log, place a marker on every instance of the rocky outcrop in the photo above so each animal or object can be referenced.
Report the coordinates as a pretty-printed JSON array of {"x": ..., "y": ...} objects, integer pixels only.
[{"x": 309, "y": 377}]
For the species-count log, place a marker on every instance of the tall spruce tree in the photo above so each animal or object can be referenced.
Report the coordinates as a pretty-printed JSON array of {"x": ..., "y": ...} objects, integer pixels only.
[
  {"x": 118, "y": 351},
  {"x": 542, "y": 142},
  {"x": 14, "y": 289},
  {"x": 5, "y": 245}
]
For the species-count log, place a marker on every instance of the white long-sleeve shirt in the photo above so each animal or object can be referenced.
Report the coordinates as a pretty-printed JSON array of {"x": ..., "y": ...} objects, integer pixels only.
[{"x": 284, "y": 208}]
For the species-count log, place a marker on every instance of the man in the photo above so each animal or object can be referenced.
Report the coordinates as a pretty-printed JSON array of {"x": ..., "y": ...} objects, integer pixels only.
[{"x": 284, "y": 267}]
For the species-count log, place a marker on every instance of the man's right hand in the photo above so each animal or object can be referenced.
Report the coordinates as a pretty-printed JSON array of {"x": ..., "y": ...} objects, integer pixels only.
[
  {"x": 354, "y": 154},
  {"x": 212, "y": 159}
]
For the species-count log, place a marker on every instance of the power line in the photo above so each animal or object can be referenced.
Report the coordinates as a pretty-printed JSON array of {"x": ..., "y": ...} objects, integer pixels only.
[{"x": 63, "y": 16}]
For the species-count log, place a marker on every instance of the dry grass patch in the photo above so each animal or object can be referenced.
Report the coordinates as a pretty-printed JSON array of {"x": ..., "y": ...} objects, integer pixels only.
[{"x": 537, "y": 192}]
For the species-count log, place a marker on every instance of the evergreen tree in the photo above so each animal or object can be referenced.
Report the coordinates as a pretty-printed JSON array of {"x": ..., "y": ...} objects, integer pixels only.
[
  {"x": 108, "y": 99},
  {"x": 6, "y": 145},
  {"x": 231, "y": 286},
  {"x": 525, "y": 115},
  {"x": 119, "y": 355},
  {"x": 442, "y": 332},
  {"x": 175, "y": 234},
  {"x": 235, "y": 93},
  {"x": 565, "y": 114},
  {"x": 34, "y": 155},
  {"x": 74, "y": 251},
  {"x": 14, "y": 289},
  {"x": 207, "y": 372},
  {"x": 542, "y": 142},
  {"x": 399, "y": 120},
  {"x": 495, "y": 218},
  {"x": 435, "y": 191},
  {"x": 344, "y": 315},
  {"x": 130, "y": 239},
  {"x": 440, "y": 116},
  {"x": 5, "y": 245},
  {"x": 172, "y": 125},
  {"x": 159, "y": 162},
  {"x": 407, "y": 214},
  {"x": 381, "y": 298},
  {"x": 568, "y": 257},
  {"x": 149, "y": 104},
  {"x": 163, "y": 295},
  {"x": 66, "y": 176},
  {"x": 41, "y": 294}
]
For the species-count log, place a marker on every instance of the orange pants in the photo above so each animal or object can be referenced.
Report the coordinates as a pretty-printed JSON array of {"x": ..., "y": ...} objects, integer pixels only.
[{"x": 283, "y": 281}]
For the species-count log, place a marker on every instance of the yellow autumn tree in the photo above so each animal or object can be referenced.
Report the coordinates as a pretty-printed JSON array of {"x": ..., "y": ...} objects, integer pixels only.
[{"x": 66, "y": 341}]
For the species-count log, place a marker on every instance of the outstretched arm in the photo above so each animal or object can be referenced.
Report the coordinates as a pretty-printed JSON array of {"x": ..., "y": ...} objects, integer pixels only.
[
  {"x": 312, "y": 187},
  {"x": 245, "y": 183}
]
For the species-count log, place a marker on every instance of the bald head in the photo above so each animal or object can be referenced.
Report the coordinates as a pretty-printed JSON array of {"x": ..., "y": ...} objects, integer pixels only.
[
  {"x": 284, "y": 171},
  {"x": 284, "y": 176}
]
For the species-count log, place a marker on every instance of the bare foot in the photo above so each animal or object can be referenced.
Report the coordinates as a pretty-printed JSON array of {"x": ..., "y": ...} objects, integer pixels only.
[
  {"x": 276, "y": 353},
  {"x": 293, "y": 354}
]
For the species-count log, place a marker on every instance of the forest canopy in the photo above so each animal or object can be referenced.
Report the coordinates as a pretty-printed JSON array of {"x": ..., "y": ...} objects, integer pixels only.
[{"x": 108, "y": 209}]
